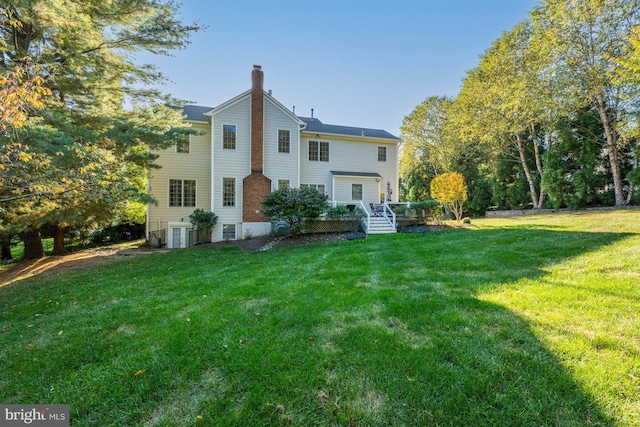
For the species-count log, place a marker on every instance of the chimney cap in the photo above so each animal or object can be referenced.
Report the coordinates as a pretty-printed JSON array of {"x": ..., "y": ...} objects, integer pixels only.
[{"x": 257, "y": 67}]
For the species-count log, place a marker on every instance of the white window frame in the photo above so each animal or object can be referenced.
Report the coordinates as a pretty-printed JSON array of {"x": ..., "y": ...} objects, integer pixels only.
[
  {"x": 235, "y": 231},
  {"x": 386, "y": 153},
  {"x": 235, "y": 192},
  {"x": 316, "y": 187},
  {"x": 318, "y": 153},
  {"x": 353, "y": 186},
  {"x": 188, "y": 147},
  {"x": 184, "y": 229},
  {"x": 289, "y": 142},
  {"x": 182, "y": 193},
  {"x": 286, "y": 182},
  {"x": 235, "y": 142}
]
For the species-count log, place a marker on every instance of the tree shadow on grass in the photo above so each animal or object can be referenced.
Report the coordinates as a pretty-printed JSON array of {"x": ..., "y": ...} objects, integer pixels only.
[
  {"x": 419, "y": 347},
  {"x": 384, "y": 331},
  {"x": 390, "y": 331}
]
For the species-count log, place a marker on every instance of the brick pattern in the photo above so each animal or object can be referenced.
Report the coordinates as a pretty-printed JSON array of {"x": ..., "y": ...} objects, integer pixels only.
[
  {"x": 254, "y": 188},
  {"x": 257, "y": 119}
]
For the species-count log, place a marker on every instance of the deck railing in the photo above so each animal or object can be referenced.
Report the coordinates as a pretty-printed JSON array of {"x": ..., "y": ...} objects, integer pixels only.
[
  {"x": 352, "y": 206},
  {"x": 389, "y": 214},
  {"x": 157, "y": 238}
]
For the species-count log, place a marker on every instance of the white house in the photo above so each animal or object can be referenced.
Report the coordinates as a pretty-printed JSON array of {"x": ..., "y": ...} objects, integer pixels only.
[{"x": 251, "y": 145}]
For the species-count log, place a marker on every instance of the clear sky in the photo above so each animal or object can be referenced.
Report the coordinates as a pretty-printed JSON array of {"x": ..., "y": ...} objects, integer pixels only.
[{"x": 355, "y": 62}]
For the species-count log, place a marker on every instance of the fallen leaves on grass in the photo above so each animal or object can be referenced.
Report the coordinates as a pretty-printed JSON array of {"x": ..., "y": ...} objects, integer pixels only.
[{"x": 323, "y": 397}]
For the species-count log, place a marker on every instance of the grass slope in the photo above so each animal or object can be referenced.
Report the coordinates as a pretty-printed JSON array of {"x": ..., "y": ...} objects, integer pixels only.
[{"x": 526, "y": 321}]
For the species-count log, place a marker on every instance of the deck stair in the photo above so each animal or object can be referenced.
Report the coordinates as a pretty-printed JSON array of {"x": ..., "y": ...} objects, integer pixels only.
[{"x": 380, "y": 225}]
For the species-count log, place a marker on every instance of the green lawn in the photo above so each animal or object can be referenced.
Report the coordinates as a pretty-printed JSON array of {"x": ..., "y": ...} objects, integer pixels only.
[{"x": 525, "y": 321}]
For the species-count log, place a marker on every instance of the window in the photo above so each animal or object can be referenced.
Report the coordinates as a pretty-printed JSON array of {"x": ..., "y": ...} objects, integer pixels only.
[
  {"x": 228, "y": 232},
  {"x": 183, "y": 146},
  {"x": 318, "y": 151},
  {"x": 382, "y": 154},
  {"x": 319, "y": 187},
  {"x": 189, "y": 196},
  {"x": 228, "y": 191},
  {"x": 284, "y": 141},
  {"x": 324, "y": 151},
  {"x": 356, "y": 191},
  {"x": 182, "y": 192},
  {"x": 229, "y": 137},
  {"x": 283, "y": 183},
  {"x": 313, "y": 151}
]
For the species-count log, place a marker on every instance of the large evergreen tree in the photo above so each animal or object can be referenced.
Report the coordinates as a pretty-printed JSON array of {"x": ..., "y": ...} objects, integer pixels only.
[{"x": 80, "y": 157}]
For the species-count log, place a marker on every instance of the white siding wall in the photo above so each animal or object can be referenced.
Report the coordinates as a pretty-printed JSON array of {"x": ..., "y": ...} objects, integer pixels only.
[
  {"x": 350, "y": 156},
  {"x": 370, "y": 192},
  {"x": 231, "y": 163},
  {"x": 209, "y": 166},
  {"x": 280, "y": 165},
  {"x": 195, "y": 165}
]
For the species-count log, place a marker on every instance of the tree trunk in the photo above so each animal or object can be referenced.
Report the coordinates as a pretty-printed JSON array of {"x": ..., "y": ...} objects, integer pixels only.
[
  {"x": 58, "y": 241},
  {"x": 5, "y": 254},
  {"x": 632, "y": 186},
  {"x": 32, "y": 245},
  {"x": 527, "y": 172},
  {"x": 612, "y": 146},
  {"x": 536, "y": 150}
]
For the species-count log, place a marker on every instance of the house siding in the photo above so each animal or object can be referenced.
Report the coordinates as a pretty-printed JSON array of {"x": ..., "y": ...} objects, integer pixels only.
[
  {"x": 231, "y": 163},
  {"x": 350, "y": 155},
  {"x": 195, "y": 165},
  {"x": 277, "y": 165},
  {"x": 208, "y": 164}
]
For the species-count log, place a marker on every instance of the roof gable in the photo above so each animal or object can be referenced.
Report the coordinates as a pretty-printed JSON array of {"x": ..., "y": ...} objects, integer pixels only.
[
  {"x": 229, "y": 103},
  {"x": 284, "y": 109}
]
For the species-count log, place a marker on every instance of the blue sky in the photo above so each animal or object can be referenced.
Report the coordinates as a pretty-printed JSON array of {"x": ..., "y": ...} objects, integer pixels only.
[{"x": 356, "y": 63}]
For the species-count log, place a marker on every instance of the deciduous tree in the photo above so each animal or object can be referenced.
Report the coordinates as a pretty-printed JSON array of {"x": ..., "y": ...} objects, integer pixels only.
[
  {"x": 586, "y": 39},
  {"x": 450, "y": 190}
]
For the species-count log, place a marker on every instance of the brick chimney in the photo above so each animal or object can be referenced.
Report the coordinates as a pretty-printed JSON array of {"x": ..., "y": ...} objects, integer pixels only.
[
  {"x": 257, "y": 117},
  {"x": 256, "y": 186}
]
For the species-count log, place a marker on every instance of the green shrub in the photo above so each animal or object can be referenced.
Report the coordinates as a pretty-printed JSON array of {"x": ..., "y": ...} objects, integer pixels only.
[
  {"x": 338, "y": 211},
  {"x": 293, "y": 206},
  {"x": 204, "y": 222},
  {"x": 117, "y": 233},
  {"x": 466, "y": 220}
]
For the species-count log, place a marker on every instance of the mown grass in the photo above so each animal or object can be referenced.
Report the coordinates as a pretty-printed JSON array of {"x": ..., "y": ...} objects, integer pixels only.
[{"x": 527, "y": 321}]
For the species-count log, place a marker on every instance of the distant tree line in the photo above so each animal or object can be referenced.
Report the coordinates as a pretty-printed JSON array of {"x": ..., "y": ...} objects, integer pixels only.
[{"x": 548, "y": 118}]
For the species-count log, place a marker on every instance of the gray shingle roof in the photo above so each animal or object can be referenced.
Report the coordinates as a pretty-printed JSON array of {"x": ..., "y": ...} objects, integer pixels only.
[
  {"x": 315, "y": 125},
  {"x": 195, "y": 112},
  {"x": 367, "y": 174}
]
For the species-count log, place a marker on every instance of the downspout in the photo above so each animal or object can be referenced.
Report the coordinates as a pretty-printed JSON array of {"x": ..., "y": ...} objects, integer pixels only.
[{"x": 333, "y": 190}]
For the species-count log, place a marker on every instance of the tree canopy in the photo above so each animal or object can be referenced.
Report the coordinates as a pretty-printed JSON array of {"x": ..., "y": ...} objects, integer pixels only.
[
  {"x": 450, "y": 190},
  {"x": 548, "y": 101},
  {"x": 85, "y": 114}
]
